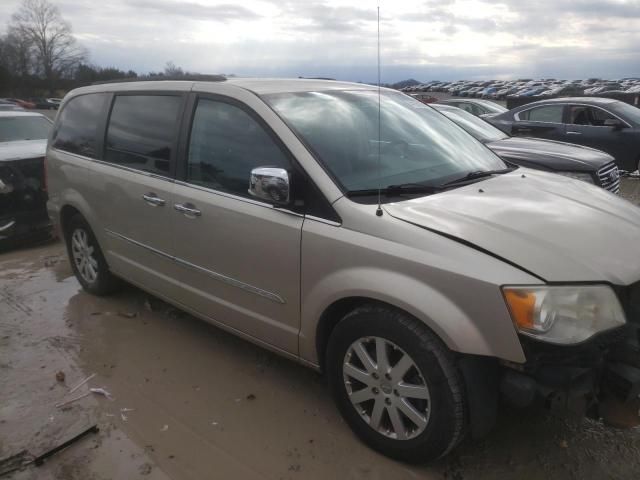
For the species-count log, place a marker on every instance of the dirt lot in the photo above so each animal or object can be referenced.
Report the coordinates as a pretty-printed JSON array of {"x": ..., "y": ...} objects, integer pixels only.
[{"x": 192, "y": 402}]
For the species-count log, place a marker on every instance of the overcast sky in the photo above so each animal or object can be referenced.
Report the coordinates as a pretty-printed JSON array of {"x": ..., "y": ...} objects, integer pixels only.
[{"x": 436, "y": 39}]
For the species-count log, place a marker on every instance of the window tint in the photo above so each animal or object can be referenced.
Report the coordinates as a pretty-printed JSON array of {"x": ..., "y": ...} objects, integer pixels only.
[
  {"x": 141, "y": 132},
  {"x": 598, "y": 116},
  {"x": 578, "y": 115},
  {"x": 549, "y": 114},
  {"x": 226, "y": 144},
  {"x": 592, "y": 116},
  {"x": 76, "y": 128}
]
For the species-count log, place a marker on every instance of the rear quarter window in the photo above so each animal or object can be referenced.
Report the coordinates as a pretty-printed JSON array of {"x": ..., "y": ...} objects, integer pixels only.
[
  {"x": 76, "y": 128},
  {"x": 547, "y": 114}
]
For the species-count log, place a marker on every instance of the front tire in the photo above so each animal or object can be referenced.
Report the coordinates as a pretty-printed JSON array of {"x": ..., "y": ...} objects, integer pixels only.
[
  {"x": 87, "y": 261},
  {"x": 396, "y": 384}
]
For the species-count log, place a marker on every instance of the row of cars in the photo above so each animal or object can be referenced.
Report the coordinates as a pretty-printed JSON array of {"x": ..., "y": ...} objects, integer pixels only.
[
  {"x": 501, "y": 89},
  {"x": 30, "y": 104},
  {"x": 591, "y": 139}
]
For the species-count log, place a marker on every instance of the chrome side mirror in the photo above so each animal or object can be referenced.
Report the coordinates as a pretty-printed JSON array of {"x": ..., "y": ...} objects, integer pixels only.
[{"x": 270, "y": 184}]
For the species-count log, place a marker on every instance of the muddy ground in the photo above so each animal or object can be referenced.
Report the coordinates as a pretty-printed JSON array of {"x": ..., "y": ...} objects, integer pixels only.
[{"x": 190, "y": 401}]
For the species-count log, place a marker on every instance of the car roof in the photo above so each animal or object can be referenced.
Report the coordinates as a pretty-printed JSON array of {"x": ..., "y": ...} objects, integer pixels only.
[
  {"x": 468, "y": 100},
  {"x": 259, "y": 86},
  {"x": 587, "y": 100},
  {"x": 263, "y": 86},
  {"x": 444, "y": 106},
  {"x": 19, "y": 113}
]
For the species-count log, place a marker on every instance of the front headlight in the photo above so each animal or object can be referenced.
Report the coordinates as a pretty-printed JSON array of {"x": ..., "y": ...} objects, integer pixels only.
[
  {"x": 585, "y": 177},
  {"x": 564, "y": 314}
]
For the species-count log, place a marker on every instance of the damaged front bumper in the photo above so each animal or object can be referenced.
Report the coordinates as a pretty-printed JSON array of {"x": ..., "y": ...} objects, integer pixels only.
[
  {"x": 23, "y": 212},
  {"x": 599, "y": 378}
]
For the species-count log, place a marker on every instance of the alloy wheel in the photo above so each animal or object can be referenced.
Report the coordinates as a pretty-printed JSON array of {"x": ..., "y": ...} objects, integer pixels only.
[
  {"x": 386, "y": 388},
  {"x": 84, "y": 255}
]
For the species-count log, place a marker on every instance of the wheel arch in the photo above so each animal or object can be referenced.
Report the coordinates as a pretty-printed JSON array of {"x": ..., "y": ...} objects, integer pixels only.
[{"x": 335, "y": 296}]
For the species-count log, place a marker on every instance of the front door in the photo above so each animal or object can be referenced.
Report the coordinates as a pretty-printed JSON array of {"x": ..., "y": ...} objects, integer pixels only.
[
  {"x": 586, "y": 126},
  {"x": 239, "y": 256}
]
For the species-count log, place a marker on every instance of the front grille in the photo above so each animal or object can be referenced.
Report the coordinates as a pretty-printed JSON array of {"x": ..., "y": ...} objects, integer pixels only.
[{"x": 609, "y": 177}]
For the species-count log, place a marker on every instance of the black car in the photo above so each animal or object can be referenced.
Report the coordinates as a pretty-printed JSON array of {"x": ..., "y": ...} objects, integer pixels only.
[
  {"x": 23, "y": 196},
  {"x": 603, "y": 123},
  {"x": 581, "y": 163},
  {"x": 475, "y": 107}
]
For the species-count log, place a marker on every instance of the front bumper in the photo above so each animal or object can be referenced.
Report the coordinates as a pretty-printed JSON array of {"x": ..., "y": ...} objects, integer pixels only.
[
  {"x": 599, "y": 378},
  {"x": 21, "y": 226}
]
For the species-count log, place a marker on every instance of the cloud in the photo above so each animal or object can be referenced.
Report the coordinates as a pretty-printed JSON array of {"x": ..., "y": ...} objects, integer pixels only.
[
  {"x": 198, "y": 11},
  {"x": 338, "y": 38}
]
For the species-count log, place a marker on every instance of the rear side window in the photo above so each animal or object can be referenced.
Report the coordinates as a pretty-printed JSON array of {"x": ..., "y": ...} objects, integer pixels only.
[
  {"x": 548, "y": 114},
  {"x": 76, "y": 128},
  {"x": 141, "y": 132},
  {"x": 226, "y": 144}
]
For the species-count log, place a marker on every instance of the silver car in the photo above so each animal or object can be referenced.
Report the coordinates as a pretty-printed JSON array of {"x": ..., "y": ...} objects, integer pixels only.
[{"x": 364, "y": 235}]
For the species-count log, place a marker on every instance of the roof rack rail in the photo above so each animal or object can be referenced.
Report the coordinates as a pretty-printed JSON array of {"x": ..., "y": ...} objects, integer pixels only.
[{"x": 159, "y": 78}]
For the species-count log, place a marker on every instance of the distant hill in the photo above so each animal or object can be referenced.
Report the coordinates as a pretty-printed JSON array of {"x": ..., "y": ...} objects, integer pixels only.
[{"x": 405, "y": 83}]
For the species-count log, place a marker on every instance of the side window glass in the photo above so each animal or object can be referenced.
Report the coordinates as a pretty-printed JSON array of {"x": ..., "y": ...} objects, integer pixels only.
[
  {"x": 467, "y": 107},
  {"x": 226, "y": 144},
  {"x": 548, "y": 114},
  {"x": 141, "y": 132},
  {"x": 578, "y": 115},
  {"x": 75, "y": 130},
  {"x": 598, "y": 116}
]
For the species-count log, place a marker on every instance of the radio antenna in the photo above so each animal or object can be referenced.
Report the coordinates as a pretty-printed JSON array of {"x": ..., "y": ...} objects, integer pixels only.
[{"x": 379, "y": 209}]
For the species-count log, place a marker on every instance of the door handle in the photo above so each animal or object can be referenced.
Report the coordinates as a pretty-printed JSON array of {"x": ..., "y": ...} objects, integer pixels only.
[
  {"x": 574, "y": 133},
  {"x": 187, "y": 209},
  {"x": 153, "y": 199},
  {"x": 522, "y": 130}
]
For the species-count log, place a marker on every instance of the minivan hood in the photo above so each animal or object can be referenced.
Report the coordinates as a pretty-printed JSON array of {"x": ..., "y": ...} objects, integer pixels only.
[
  {"x": 552, "y": 155},
  {"x": 22, "y": 149},
  {"x": 559, "y": 229}
]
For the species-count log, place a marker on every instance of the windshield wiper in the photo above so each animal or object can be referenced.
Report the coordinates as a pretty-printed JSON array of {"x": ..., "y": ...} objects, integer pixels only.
[
  {"x": 403, "y": 188},
  {"x": 469, "y": 177}
]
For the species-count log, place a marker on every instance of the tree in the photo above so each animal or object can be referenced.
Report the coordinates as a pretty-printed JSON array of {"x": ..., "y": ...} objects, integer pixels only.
[
  {"x": 55, "y": 51},
  {"x": 170, "y": 70}
]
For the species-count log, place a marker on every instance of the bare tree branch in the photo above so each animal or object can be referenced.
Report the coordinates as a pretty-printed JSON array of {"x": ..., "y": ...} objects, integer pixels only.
[{"x": 52, "y": 47}]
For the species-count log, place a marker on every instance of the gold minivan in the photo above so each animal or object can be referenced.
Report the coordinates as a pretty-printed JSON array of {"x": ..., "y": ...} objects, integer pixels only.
[{"x": 363, "y": 234}]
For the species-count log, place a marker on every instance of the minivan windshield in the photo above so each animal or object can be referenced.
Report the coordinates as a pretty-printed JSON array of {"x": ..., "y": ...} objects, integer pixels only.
[
  {"x": 23, "y": 128},
  {"x": 483, "y": 131},
  {"x": 417, "y": 145}
]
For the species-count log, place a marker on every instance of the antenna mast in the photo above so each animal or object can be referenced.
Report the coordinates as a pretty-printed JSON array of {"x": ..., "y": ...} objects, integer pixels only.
[{"x": 379, "y": 209}]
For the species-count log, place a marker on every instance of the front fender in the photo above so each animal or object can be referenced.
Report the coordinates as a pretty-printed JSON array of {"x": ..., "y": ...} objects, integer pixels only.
[{"x": 455, "y": 323}]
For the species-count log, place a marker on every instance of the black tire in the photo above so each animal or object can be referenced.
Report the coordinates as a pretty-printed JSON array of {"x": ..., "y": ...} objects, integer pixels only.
[
  {"x": 105, "y": 282},
  {"x": 447, "y": 420}
]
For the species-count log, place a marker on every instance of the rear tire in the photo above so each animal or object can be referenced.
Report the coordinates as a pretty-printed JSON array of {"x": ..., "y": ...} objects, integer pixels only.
[
  {"x": 413, "y": 415},
  {"x": 87, "y": 261}
]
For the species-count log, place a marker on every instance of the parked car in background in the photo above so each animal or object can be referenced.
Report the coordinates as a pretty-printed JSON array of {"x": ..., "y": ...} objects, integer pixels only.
[
  {"x": 8, "y": 105},
  {"x": 424, "y": 97},
  {"x": 22, "y": 103},
  {"x": 23, "y": 196},
  {"x": 602, "y": 123},
  {"x": 476, "y": 107},
  {"x": 581, "y": 163},
  {"x": 409, "y": 263},
  {"x": 44, "y": 104}
]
